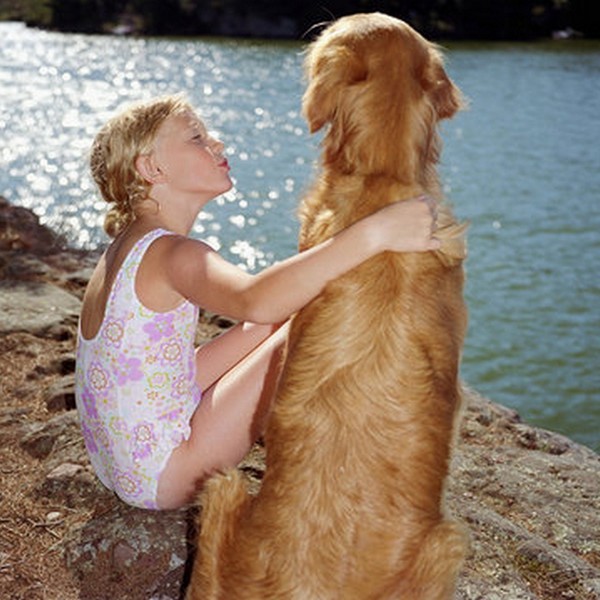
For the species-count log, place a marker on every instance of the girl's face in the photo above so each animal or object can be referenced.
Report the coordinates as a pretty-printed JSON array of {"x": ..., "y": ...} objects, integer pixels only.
[{"x": 189, "y": 159}]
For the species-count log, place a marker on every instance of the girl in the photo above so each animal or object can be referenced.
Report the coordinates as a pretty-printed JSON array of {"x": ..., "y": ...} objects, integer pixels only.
[{"x": 158, "y": 416}]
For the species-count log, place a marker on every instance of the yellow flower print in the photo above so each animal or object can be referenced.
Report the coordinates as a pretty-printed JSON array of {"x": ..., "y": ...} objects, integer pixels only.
[
  {"x": 117, "y": 425},
  {"x": 98, "y": 377},
  {"x": 113, "y": 332},
  {"x": 171, "y": 352},
  {"x": 159, "y": 380}
]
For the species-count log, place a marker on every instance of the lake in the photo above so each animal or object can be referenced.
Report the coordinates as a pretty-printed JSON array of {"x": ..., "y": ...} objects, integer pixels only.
[{"x": 522, "y": 165}]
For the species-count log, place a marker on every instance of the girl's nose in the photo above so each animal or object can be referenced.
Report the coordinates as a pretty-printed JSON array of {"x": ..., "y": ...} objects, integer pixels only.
[{"x": 217, "y": 146}]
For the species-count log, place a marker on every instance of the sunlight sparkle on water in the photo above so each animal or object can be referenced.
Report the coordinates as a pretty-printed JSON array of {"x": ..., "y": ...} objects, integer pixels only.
[
  {"x": 251, "y": 256},
  {"x": 528, "y": 189}
]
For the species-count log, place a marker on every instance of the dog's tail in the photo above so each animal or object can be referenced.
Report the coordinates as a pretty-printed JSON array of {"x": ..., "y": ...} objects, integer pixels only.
[
  {"x": 433, "y": 572},
  {"x": 223, "y": 502}
]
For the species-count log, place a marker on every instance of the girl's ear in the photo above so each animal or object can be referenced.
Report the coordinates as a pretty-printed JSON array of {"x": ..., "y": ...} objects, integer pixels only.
[{"x": 148, "y": 169}]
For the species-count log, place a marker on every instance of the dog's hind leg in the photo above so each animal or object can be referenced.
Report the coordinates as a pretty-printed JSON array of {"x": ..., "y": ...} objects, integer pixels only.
[
  {"x": 223, "y": 501},
  {"x": 433, "y": 572}
]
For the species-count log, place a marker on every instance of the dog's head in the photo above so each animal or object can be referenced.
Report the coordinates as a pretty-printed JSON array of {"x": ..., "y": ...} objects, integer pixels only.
[{"x": 381, "y": 89}]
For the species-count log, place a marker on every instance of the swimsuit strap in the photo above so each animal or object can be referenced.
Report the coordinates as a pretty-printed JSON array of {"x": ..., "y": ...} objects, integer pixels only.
[{"x": 135, "y": 256}]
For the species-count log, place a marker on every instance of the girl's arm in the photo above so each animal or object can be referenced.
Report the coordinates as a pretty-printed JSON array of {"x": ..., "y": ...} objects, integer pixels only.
[{"x": 200, "y": 274}]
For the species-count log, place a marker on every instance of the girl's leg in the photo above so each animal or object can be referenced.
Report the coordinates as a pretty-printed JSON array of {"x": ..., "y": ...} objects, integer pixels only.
[
  {"x": 228, "y": 420},
  {"x": 218, "y": 356}
]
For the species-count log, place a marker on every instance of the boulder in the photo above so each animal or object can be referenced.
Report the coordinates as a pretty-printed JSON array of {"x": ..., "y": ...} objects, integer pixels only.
[
  {"x": 130, "y": 554},
  {"x": 35, "y": 307}
]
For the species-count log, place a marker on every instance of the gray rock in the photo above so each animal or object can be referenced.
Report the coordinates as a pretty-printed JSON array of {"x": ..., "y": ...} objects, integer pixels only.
[
  {"x": 42, "y": 439},
  {"x": 71, "y": 484},
  {"x": 61, "y": 394},
  {"x": 531, "y": 501},
  {"x": 130, "y": 554},
  {"x": 35, "y": 307}
]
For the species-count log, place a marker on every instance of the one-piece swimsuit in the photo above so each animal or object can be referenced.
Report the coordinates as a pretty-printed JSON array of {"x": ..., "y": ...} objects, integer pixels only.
[{"x": 135, "y": 386}]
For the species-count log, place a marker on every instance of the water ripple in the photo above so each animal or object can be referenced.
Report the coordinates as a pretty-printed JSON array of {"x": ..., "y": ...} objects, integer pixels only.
[{"x": 522, "y": 165}]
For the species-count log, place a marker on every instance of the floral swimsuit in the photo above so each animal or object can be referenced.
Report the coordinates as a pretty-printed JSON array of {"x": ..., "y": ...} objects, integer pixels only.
[{"x": 135, "y": 386}]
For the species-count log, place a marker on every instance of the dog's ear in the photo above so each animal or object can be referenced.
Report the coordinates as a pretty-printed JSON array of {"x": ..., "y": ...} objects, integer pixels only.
[
  {"x": 329, "y": 75},
  {"x": 445, "y": 96}
]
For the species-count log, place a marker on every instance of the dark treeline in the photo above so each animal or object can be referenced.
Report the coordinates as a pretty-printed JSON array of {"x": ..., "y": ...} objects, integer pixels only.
[{"x": 437, "y": 19}]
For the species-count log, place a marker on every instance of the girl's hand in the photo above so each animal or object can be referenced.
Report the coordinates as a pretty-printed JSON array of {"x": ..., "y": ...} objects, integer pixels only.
[{"x": 406, "y": 226}]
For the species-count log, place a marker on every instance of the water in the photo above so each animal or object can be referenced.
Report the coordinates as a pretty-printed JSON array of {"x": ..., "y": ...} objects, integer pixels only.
[{"x": 523, "y": 165}]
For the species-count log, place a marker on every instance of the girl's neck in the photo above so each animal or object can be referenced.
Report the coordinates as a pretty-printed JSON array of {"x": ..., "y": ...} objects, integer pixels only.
[{"x": 169, "y": 214}]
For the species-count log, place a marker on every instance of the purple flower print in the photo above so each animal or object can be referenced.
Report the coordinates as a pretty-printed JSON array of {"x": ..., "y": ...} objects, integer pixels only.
[
  {"x": 88, "y": 400},
  {"x": 103, "y": 439},
  {"x": 127, "y": 369},
  {"x": 160, "y": 326},
  {"x": 127, "y": 485},
  {"x": 88, "y": 438},
  {"x": 196, "y": 394},
  {"x": 191, "y": 365},
  {"x": 144, "y": 440},
  {"x": 177, "y": 437},
  {"x": 172, "y": 415},
  {"x": 117, "y": 285}
]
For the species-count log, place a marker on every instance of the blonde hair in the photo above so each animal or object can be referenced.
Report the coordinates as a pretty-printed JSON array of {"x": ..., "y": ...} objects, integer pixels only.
[{"x": 114, "y": 152}]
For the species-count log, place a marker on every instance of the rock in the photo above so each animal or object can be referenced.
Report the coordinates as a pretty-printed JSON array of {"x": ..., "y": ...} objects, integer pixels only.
[
  {"x": 53, "y": 517},
  {"x": 532, "y": 510},
  {"x": 61, "y": 394},
  {"x": 516, "y": 563},
  {"x": 66, "y": 364},
  {"x": 130, "y": 554},
  {"x": 70, "y": 483},
  {"x": 20, "y": 229},
  {"x": 147, "y": 553},
  {"x": 43, "y": 438},
  {"x": 13, "y": 423},
  {"x": 35, "y": 307}
]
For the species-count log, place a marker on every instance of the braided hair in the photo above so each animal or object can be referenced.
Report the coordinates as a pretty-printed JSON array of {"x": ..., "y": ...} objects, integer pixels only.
[{"x": 113, "y": 156}]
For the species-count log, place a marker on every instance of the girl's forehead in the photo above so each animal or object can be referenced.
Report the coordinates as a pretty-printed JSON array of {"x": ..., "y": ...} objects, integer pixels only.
[
  {"x": 187, "y": 120},
  {"x": 190, "y": 119}
]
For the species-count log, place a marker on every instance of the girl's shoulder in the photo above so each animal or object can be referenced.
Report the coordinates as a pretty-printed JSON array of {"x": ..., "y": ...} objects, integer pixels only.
[
  {"x": 168, "y": 259},
  {"x": 172, "y": 248}
]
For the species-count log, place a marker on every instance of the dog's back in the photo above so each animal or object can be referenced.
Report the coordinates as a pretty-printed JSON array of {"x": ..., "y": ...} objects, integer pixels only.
[{"x": 359, "y": 442}]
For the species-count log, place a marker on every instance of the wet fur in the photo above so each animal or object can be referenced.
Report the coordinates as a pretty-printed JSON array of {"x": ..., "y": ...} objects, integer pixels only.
[{"x": 359, "y": 441}]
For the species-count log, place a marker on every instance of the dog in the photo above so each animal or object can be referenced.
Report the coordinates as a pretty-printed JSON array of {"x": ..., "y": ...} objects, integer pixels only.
[{"x": 359, "y": 440}]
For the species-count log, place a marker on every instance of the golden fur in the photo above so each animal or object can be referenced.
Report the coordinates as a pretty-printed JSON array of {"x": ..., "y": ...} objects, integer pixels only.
[{"x": 359, "y": 440}]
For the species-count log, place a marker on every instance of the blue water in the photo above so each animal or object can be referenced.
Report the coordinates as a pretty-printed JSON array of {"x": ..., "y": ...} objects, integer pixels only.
[{"x": 522, "y": 164}]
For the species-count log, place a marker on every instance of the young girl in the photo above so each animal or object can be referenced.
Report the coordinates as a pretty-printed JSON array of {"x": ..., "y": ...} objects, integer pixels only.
[{"x": 158, "y": 416}]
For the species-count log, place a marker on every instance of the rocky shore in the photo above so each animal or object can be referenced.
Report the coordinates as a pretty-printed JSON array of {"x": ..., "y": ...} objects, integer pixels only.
[{"x": 531, "y": 498}]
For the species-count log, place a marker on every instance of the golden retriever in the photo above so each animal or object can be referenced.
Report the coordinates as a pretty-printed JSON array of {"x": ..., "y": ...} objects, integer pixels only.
[{"x": 359, "y": 439}]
